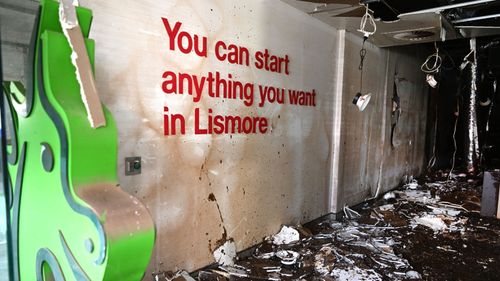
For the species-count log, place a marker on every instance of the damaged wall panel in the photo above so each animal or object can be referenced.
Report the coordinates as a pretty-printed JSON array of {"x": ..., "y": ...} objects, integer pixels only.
[
  {"x": 367, "y": 158},
  {"x": 202, "y": 189}
]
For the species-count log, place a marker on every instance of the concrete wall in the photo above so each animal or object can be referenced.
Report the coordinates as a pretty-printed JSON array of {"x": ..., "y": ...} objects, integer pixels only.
[
  {"x": 16, "y": 22},
  {"x": 258, "y": 181},
  {"x": 315, "y": 159},
  {"x": 367, "y": 160}
]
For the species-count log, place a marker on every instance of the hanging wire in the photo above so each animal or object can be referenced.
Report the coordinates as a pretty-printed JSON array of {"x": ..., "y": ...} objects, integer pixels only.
[
  {"x": 432, "y": 161},
  {"x": 454, "y": 142},
  {"x": 466, "y": 60},
  {"x": 433, "y": 62},
  {"x": 491, "y": 106}
]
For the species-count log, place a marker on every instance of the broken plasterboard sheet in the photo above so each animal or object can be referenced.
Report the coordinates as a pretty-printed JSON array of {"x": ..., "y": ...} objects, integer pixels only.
[
  {"x": 80, "y": 59},
  {"x": 225, "y": 254},
  {"x": 286, "y": 235},
  {"x": 434, "y": 223}
]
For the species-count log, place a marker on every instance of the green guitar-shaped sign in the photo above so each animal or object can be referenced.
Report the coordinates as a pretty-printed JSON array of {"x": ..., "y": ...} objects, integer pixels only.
[{"x": 70, "y": 219}]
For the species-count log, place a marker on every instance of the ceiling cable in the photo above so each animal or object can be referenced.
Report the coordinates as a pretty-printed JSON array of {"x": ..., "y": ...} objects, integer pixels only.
[{"x": 436, "y": 59}]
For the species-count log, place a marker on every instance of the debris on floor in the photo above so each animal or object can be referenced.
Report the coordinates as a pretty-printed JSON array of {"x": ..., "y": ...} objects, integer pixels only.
[
  {"x": 427, "y": 231},
  {"x": 170, "y": 276}
]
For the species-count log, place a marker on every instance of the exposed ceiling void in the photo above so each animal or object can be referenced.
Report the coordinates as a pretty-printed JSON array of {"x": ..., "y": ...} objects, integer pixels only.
[{"x": 410, "y": 22}]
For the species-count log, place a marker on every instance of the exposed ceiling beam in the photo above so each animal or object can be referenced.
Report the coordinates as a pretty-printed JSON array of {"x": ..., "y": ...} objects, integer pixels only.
[
  {"x": 477, "y": 27},
  {"x": 448, "y": 7},
  {"x": 477, "y": 18}
]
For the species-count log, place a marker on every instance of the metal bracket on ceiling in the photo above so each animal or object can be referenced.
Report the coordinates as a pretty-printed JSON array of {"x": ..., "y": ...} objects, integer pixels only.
[{"x": 325, "y": 9}]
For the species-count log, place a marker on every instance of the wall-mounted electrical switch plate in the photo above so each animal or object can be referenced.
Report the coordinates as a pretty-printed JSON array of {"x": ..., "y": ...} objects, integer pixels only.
[{"x": 132, "y": 166}]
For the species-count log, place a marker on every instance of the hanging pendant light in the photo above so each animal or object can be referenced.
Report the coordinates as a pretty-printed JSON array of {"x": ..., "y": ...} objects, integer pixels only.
[{"x": 361, "y": 101}]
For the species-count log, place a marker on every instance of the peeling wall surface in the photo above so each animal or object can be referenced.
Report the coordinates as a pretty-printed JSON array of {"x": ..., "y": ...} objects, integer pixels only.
[
  {"x": 202, "y": 189},
  {"x": 367, "y": 160}
]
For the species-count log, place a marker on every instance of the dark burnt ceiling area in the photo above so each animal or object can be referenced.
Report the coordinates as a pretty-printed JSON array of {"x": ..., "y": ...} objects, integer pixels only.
[
  {"x": 449, "y": 113},
  {"x": 389, "y": 10},
  {"x": 464, "y": 104}
]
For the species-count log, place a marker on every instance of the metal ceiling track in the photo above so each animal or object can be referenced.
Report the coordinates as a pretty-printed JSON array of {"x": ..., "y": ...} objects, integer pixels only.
[
  {"x": 448, "y": 7},
  {"x": 325, "y": 9}
]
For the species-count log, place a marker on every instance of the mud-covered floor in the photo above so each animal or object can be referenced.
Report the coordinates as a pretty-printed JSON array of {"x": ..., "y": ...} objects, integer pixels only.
[{"x": 426, "y": 231}]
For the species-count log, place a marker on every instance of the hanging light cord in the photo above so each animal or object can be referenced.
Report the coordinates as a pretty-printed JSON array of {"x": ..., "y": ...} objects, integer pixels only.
[
  {"x": 367, "y": 19},
  {"x": 362, "y": 55}
]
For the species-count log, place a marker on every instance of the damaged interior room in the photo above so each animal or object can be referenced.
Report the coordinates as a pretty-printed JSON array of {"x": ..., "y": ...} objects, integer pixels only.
[{"x": 217, "y": 140}]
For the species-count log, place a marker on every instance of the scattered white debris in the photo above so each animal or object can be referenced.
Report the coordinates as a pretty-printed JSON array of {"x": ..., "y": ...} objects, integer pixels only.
[
  {"x": 436, "y": 185},
  {"x": 419, "y": 196},
  {"x": 225, "y": 254},
  {"x": 444, "y": 211},
  {"x": 286, "y": 235},
  {"x": 389, "y": 195},
  {"x": 287, "y": 257},
  {"x": 236, "y": 270},
  {"x": 386, "y": 207},
  {"x": 350, "y": 233},
  {"x": 434, "y": 223},
  {"x": 264, "y": 255},
  {"x": 356, "y": 274},
  {"x": 413, "y": 275},
  {"x": 180, "y": 275},
  {"x": 321, "y": 263},
  {"x": 350, "y": 213},
  {"x": 412, "y": 185}
]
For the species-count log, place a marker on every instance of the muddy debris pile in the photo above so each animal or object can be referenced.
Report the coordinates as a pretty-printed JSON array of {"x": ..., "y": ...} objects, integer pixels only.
[{"x": 428, "y": 231}]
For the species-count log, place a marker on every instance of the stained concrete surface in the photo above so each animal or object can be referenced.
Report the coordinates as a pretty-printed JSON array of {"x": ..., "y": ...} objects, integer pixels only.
[
  {"x": 314, "y": 161},
  {"x": 203, "y": 189},
  {"x": 367, "y": 160}
]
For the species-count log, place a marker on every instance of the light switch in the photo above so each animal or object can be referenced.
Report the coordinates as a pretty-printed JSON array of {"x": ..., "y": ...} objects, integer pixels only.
[{"x": 133, "y": 166}]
